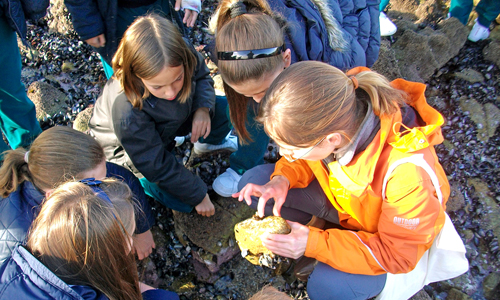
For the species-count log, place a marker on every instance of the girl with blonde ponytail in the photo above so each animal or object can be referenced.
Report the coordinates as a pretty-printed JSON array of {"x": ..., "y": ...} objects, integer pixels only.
[
  {"x": 359, "y": 180},
  {"x": 256, "y": 40}
]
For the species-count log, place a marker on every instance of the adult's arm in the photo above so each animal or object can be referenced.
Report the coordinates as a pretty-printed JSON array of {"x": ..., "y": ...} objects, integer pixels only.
[
  {"x": 86, "y": 18},
  {"x": 410, "y": 218}
]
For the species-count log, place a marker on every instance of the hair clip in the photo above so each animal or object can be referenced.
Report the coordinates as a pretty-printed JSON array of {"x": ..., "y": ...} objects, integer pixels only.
[
  {"x": 250, "y": 54},
  {"x": 237, "y": 9},
  {"x": 95, "y": 186}
]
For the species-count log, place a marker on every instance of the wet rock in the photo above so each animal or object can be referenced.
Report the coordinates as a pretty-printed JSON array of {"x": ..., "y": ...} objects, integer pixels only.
[
  {"x": 184, "y": 284},
  {"x": 455, "y": 294},
  {"x": 248, "y": 235},
  {"x": 492, "y": 52},
  {"x": 47, "y": 99},
  {"x": 491, "y": 286},
  {"x": 490, "y": 219},
  {"x": 81, "y": 122},
  {"x": 486, "y": 117},
  {"x": 470, "y": 75},
  {"x": 456, "y": 200},
  {"x": 60, "y": 21}
]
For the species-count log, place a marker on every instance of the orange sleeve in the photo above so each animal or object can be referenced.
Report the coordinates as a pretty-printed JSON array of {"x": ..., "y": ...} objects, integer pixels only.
[
  {"x": 298, "y": 173},
  {"x": 410, "y": 219}
]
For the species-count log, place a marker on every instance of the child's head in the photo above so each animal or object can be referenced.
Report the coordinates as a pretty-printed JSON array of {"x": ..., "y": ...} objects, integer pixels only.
[
  {"x": 311, "y": 100},
  {"x": 83, "y": 235},
  {"x": 57, "y": 155},
  {"x": 243, "y": 25},
  {"x": 153, "y": 58}
]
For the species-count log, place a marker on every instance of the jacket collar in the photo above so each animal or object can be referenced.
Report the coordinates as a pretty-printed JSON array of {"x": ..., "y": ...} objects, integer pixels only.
[
  {"x": 359, "y": 173},
  {"x": 32, "y": 194}
]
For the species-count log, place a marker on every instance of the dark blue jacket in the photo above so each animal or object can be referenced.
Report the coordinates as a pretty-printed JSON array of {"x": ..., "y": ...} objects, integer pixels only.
[
  {"x": 25, "y": 277},
  {"x": 21, "y": 207},
  {"x": 18, "y": 11},
  {"x": 92, "y": 18},
  {"x": 342, "y": 33}
]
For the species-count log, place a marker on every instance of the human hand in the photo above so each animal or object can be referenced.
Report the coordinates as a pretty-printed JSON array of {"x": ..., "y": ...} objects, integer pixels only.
[
  {"x": 277, "y": 188},
  {"x": 205, "y": 208},
  {"x": 191, "y": 10},
  {"x": 201, "y": 124},
  {"x": 143, "y": 244},
  {"x": 97, "y": 41},
  {"x": 292, "y": 245}
]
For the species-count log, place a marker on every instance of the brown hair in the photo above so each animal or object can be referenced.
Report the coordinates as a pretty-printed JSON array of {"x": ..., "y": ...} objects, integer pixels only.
[
  {"x": 85, "y": 239},
  {"x": 257, "y": 29},
  {"x": 310, "y": 100},
  {"x": 150, "y": 44},
  {"x": 270, "y": 293},
  {"x": 56, "y": 155}
]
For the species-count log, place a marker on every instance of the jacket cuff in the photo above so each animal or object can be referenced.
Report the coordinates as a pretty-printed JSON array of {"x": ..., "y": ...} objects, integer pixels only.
[{"x": 312, "y": 242}]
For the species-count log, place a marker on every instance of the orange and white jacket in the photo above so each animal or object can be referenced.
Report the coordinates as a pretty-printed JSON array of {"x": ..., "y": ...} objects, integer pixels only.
[{"x": 382, "y": 235}]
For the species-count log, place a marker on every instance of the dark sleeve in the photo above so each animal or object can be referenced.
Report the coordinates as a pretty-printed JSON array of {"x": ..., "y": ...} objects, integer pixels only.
[
  {"x": 86, "y": 18},
  {"x": 144, "y": 217},
  {"x": 158, "y": 294},
  {"x": 35, "y": 9},
  {"x": 204, "y": 92},
  {"x": 137, "y": 133}
]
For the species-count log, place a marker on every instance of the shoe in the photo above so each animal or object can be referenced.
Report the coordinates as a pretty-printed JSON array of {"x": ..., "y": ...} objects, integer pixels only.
[
  {"x": 226, "y": 183},
  {"x": 387, "y": 28},
  {"x": 303, "y": 267},
  {"x": 179, "y": 140},
  {"x": 316, "y": 222},
  {"x": 478, "y": 32},
  {"x": 230, "y": 143}
]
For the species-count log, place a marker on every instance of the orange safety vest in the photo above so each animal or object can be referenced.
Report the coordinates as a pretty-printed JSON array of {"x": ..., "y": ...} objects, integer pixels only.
[{"x": 382, "y": 235}]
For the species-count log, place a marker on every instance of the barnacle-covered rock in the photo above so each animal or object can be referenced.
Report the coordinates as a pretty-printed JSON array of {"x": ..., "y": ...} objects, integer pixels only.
[{"x": 248, "y": 235}]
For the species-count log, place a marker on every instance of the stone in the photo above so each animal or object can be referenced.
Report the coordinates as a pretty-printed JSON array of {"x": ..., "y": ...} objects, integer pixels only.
[
  {"x": 47, "y": 99},
  {"x": 456, "y": 200},
  {"x": 492, "y": 52},
  {"x": 81, "y": 122},
  {"x": 455, "y": 294},
  {"x": 487, "y": 117},
  {"x": 184, "y": 284},
  {"x": 60, "y": 22},
  {"x": 490, "y": 220},
  {"x": 491, "y": 286},
  {"x": 386, "y": 63},
  {"x": 469, "y": 75},
  {"x": 248, "y": 233}
]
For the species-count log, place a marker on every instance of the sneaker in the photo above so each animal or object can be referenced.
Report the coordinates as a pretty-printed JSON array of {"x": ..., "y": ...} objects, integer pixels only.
[
  {"x": 231, "y": 144},
  {"x": 387, "y": 28},
  {"x": 478, "y": 32},
  {"x": 179, "y": 140},
  {"x": 226, "y": 183}
]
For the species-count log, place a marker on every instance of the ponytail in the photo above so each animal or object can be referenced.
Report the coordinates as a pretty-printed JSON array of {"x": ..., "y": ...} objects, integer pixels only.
[
  {"x": 323, "y": 102},
  {"x": 14, "y": 171}
]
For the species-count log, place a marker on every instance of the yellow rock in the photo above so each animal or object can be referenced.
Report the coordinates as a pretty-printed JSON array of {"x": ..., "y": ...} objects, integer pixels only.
[{"x": 248, "y": 233}]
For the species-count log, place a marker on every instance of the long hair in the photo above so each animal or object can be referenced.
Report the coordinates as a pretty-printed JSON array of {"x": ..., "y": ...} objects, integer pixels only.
[
  {"x": 85, "y": 240},
  {"x": 257, "y": 29},
  {"x": 310, "y": 100},
  {"x": 150, "y": 44},
  {"x": 56, "y": 155}
]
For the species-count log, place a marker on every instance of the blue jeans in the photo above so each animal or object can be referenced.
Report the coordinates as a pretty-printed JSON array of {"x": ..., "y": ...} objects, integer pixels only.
[
  {"x": 17, "y": 113},
  {"x": 252, "y": 154},
  {"x": 487, "y": 10},
  {"x": 327, "y": 283}
]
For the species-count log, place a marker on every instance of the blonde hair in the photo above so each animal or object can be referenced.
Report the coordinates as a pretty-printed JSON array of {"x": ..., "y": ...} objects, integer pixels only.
[
  {"x": 85, "y": 239},
  {"x": 57, "y": 155},
  {"x": 270, "y": 293},
  {"x": 149, "y": 45},
  {"x": 258, "y": 28},
  {"x": 311, "y": 100}
]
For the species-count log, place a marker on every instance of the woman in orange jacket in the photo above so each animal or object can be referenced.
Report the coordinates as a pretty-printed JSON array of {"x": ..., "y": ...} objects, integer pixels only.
[{"x": 358, "y": 151}]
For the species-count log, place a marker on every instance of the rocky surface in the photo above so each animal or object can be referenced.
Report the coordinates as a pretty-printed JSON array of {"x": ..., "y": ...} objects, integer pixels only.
[{"x": 198, "y": 258}]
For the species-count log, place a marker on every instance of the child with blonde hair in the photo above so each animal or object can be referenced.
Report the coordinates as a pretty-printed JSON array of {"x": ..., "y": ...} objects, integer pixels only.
[
  {"x": 59, "y": 154},
  {"x": 358, "y": 152},
  {"x": 79, "y": 247},
  {"x": 161, "y": 89}
]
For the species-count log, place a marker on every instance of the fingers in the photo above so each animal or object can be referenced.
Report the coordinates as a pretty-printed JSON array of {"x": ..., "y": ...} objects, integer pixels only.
[
  {"x": 261, "y": 206},
  {"x": 178, "y": 5},
  {"x": 207, "y": 131},
  {"x": 190, "y": 17}
]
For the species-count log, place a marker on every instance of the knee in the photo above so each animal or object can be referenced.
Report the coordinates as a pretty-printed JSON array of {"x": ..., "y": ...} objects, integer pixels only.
[{"x": 256, "y": 175}]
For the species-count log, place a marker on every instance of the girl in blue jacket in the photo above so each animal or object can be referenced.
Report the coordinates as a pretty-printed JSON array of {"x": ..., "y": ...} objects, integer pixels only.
[
  {"x": 58, "y": 154},
  {"x": 79, "y": 247},
  {"x": 161, "y": 89},
  {"x": 256, "y": 39}
]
